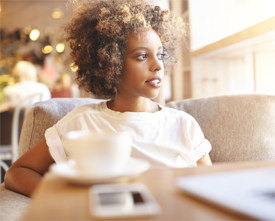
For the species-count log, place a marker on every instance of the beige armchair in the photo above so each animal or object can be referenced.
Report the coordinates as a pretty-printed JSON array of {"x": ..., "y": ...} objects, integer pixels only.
[{"x": 239, "y": 127}]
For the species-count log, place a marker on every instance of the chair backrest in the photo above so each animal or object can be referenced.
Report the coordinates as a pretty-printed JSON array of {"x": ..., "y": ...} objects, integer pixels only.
[
  {"x": 26, "y": 103},
  {"x": 239, "y": 127}
]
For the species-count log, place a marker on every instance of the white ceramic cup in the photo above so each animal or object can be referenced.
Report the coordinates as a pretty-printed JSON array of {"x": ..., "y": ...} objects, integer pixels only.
[{"x": 98, "y": 154}]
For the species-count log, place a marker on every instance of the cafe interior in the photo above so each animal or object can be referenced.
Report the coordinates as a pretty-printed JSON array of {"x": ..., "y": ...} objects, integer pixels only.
[{"x": 224, "y": 79}]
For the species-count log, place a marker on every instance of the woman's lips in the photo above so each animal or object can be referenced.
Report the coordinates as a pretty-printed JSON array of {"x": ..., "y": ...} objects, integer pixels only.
[{"x": 154, "y": 82}]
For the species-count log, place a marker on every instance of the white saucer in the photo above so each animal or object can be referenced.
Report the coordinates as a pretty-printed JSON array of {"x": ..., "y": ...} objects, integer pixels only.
[{"x": 68, "y": 172}]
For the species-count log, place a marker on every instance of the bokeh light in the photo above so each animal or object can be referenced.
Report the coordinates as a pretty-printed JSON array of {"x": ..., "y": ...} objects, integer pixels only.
[
  {"x": 47, "y": 49},
  {"x": 60, "y": 47},
  {"x": 57, "y": 13},
  {"x": 34, "y": 35},
  {"x": 27, "y": 30},
  {"x": 74, "y": 67}
]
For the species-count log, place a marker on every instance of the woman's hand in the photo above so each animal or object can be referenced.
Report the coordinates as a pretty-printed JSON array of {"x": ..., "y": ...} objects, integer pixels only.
[{"x": 24, "y": 174}]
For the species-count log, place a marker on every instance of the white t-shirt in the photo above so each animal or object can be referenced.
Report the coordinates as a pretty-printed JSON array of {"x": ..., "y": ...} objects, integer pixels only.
[{"x": 168, "y": 137}]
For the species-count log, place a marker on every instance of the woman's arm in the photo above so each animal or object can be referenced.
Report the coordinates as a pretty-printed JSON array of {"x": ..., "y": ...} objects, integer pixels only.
[
  {"x": 24, "y": 174},
  {"x": 205, "y": 160}
]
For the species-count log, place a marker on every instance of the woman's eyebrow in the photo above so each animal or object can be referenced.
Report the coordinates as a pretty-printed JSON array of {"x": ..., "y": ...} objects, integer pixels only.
[{"x": 144, "y": 48}]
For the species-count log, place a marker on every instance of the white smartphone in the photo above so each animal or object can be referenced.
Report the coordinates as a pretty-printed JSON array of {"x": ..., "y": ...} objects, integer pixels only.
[{"x": 122, "y": 200}]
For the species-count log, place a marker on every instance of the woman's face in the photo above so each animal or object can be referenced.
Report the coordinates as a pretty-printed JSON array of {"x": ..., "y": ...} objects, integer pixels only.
[{"x": 143, "y": 70}]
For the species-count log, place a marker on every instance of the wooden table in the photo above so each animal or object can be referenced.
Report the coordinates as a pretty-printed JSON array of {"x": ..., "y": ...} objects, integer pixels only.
[{"x": 55, "y": 199}]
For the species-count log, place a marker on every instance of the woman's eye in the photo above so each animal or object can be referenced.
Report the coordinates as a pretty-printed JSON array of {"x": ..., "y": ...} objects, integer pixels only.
[
  {"x": 141, "y": 57},
  {"x": 161, "y": 56}
]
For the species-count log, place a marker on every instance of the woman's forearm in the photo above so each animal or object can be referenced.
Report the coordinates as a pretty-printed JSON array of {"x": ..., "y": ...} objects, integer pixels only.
[
  {"x": 22, "y": 180},
  {"x": 205, "y": 160},
  {"x": 24, "y": 174}
]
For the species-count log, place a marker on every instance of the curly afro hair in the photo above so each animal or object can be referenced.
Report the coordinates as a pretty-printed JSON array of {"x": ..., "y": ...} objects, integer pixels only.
[{"x": 97, "y": 34}]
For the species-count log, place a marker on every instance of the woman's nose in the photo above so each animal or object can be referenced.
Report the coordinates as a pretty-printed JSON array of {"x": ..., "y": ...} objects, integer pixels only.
[{"x": 157, "y": 65}]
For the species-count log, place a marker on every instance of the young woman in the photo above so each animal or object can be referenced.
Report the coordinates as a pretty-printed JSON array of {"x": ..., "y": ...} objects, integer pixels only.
[{"x": 122, "y": 49}]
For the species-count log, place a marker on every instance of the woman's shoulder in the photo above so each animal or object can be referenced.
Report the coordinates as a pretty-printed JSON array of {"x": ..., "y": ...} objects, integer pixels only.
[
  {"x": 82, "y": 110},
  {"x": 95, "y": 106},
  {"x": 175, "y": 112},
  {"x": 180, "y": 116}
]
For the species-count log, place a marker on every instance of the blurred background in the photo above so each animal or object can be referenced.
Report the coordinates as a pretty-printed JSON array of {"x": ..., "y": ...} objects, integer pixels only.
[
  {"x": 230, "y": 47},
  {"x": 30, "y": 32}
]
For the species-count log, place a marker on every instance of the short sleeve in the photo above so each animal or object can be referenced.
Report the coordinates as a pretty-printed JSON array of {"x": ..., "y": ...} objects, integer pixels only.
[
  {"x": 201, "y": 145},
  {"x": 55, "y": 145},
  {"x": 74, "y": 120},
  {"x": 203, "y": 149}
]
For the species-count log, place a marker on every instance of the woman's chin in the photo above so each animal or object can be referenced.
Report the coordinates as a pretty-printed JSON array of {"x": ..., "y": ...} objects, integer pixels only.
[{"x": 153, "y": 95}]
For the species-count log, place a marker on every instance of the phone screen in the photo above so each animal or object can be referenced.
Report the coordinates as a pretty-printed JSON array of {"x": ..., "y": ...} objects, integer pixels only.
[
  {"x": 125, "y": 199},
  {"x": 122, "y": 200}
]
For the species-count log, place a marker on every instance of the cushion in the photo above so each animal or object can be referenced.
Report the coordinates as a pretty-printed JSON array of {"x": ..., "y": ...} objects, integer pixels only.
[{"x": 239, "y": 127}]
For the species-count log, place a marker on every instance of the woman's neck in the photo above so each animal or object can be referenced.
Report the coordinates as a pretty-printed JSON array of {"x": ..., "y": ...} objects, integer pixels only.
[{"x": 140, "y": 104}]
